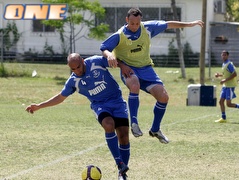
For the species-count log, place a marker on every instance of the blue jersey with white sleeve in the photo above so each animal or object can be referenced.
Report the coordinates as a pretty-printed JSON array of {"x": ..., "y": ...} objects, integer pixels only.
[
  {"x": 228, "y": 88},
  {"x": 230, "y": 67},
  {"x": 97, "y": 84},
  {"x": 153, "y": 28}
]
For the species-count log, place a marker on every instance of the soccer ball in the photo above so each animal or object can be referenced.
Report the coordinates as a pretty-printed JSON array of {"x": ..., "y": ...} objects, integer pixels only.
[{"x": 91, "y": 172}]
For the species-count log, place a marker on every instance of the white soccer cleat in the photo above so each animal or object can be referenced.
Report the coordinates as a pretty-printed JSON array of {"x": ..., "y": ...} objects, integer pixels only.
[
  {"x": 136, "y": 130},
  {"x": 162, "y": 138}
]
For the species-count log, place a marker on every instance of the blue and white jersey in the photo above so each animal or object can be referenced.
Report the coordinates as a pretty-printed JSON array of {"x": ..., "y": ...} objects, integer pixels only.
[
  {"x": 153, "y": 28},
  {"x": 97, "y": 84},
  {"x": 230, "y": 67}
]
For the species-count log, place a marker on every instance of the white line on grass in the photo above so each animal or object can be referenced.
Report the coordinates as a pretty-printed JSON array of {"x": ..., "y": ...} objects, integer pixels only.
[
  {"x": 53, "y": 162},
  {"x": 187, "y": 120},
  {"x": 86, "y": 151},
  {"x": 201, "y": 117}
]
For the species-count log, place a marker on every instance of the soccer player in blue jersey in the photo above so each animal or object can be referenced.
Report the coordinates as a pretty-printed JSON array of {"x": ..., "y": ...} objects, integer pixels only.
[
  {"x": 229, "y": 82},
  {"x": 91, "y": 78},
  {"x": 129, "y": 48}
]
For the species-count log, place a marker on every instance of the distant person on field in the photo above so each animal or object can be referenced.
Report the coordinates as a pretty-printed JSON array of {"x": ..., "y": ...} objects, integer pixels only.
[
  {"x": 91, "y": 78},
  {"x": 129, "y": 48},
  {"x": 229, "y": 82}
]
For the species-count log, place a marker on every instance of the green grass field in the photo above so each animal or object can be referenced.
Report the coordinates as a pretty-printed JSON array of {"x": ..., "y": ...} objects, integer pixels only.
[{"x": 56, "y": 143}]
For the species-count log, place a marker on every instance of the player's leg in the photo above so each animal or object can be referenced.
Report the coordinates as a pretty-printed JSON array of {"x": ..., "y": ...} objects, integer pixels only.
[
  {"x": 223, "y": 96},
  {"x": 223, "y": 111},
  {"x": 133, "y": 102},
  {"x": 108, "y": 124},
  {"x": 160, "y": 94},
  {"x": 124, "y": 146},
  {"x": 232, "y": 105},
  {"x": 105, "y": 113},
  {"x": 122, "y": 130},
  {"x": 120, "y": 114},
  {"x": 231, "y": 95},
  {"x": 222, "y": 107},
  {"x": 151, "y": 83}
]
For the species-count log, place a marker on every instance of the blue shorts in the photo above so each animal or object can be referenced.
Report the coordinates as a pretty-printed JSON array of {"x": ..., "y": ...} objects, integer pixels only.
[
  {"x": 147, "y": 77},
  {"x": 117, "y": 108},
  {"x": 228, "y": 93}
]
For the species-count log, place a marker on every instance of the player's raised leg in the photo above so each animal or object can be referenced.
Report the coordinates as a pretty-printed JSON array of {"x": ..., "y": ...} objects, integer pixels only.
[
  {"x": 132, "y": 83},
  {"x": 161, "y": 96}
]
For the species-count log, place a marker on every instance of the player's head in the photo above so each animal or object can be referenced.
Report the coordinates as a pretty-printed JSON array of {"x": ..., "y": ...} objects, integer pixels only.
[
  {"x": 76, "y": 64},
  {"x": 135, "y": 12},
  {"x": 133, "y": 19},
  {"x": 224, "y": 55}
]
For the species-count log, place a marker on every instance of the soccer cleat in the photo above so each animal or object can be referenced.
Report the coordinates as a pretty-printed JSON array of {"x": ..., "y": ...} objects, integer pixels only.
[
  {"x": 136, "y": 130},
  {"x": 123, "y": 168},
  {"x": 162, "y": 138},
  {"x": 122, "y": 177},
  {"x": 221, "y": 120}
]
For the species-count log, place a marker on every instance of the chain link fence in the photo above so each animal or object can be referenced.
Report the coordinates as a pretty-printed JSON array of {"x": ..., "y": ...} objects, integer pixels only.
[{"x": 222, "y": 36}]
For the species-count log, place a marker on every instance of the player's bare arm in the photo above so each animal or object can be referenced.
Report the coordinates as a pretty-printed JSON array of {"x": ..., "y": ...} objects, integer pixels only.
[
  {"x": 178, "y": 24},
  {"x": 57, "y": 99},
  {"x": 112, "y": 61}
]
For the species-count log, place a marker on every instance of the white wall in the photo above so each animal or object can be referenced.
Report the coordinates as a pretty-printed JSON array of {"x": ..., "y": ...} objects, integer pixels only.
[
  {"x": 191, "y": 10},
  {"x": 30, "y": 40},
  {"x": 1, "y": 12}
]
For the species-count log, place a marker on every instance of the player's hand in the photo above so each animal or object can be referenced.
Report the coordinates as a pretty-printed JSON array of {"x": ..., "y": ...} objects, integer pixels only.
[
  {"x": 198, "y": 22},
  {"x": 126, "y": 71},
  {"x": 216, "y": 75},
  {"x": 223, "y": 81},
  {"x": 32, "y": 108},
  {"x": 112, "y": 61}
]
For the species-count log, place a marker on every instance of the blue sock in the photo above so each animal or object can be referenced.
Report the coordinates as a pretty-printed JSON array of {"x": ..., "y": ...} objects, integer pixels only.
[
  {"x": 159, "y": 110},
  {"x": 125, "y": 153},
  {"x": 223, "y": 115},
  {"x": 237, "y": 106},
  {"x": 112, "y": 142},
  {"x": 133, "y": 101}
]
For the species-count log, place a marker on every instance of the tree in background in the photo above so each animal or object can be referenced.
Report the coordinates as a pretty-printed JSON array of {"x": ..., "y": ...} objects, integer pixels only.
[
  {"x": 232, "y": 11},
  {"x": 79, "y": 23},
  {"x": 178, "y": 37},
  {"x": 10, "y": 35}
]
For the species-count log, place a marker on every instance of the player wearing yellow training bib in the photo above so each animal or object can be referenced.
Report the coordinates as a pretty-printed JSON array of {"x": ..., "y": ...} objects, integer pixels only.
[
  {"x": 229, "y": 82},
  {"x": 129, "y": 49}
]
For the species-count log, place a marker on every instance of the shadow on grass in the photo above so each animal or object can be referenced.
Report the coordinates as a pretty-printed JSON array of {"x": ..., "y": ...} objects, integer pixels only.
[
  {"x": 234, "y": 123},
  {"x": 60, "y": 80}
]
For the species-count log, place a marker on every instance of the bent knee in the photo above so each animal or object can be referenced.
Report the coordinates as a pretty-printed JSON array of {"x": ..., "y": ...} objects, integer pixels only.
[
  {"x": 134, "y": 88},
  {"x": 108, "y": 125},
  {"x": 163, "y": 98},
  {"x": 133, "y": 84},
  {"x": 230, "y": 105}
]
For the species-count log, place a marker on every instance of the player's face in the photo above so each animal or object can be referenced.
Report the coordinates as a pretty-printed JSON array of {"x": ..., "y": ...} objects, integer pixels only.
[
  {"x": 133, "y": 22},
  {"x": 78, "y": 67},
  {"x": 224, "y": 56}
]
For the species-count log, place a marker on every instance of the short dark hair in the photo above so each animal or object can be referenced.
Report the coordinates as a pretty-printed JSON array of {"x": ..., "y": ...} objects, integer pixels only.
[
  {"x": 134, "y": 11},
  {"x": 225, "y": 51}
]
